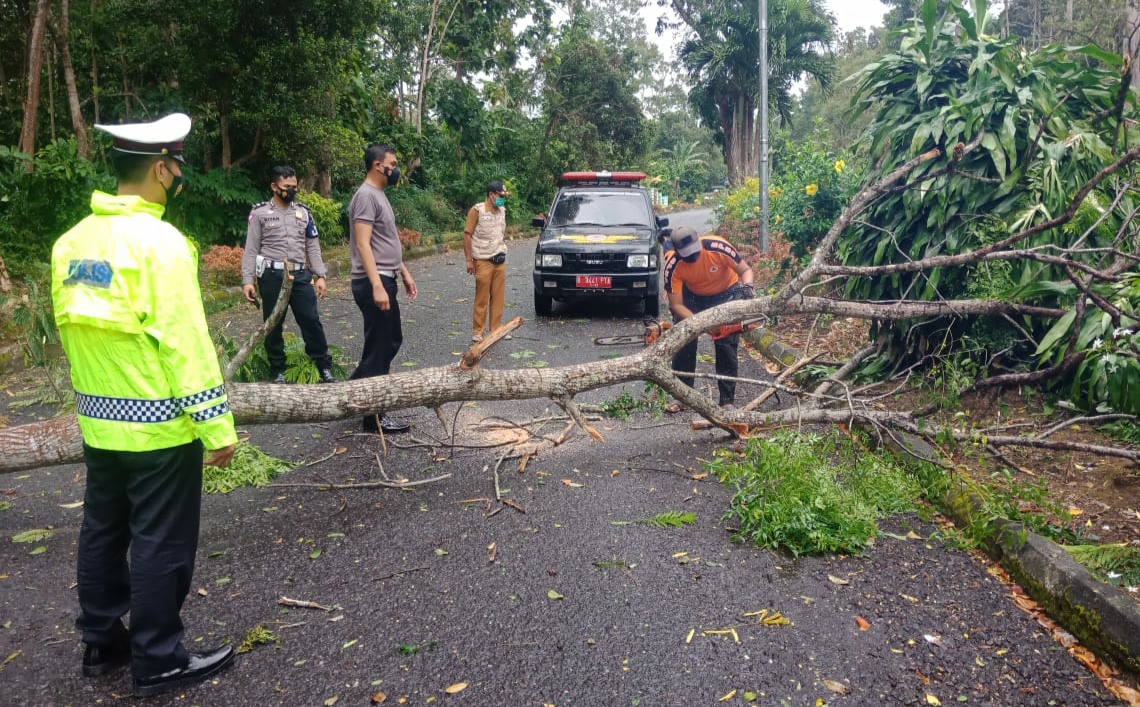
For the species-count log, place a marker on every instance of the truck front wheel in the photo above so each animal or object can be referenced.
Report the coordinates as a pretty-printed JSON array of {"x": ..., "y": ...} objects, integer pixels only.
[{"x": 543, "y": 305}]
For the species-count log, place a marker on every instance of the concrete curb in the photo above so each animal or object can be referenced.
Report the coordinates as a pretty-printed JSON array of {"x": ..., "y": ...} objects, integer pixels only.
[{"x": 1104, "y": 618}]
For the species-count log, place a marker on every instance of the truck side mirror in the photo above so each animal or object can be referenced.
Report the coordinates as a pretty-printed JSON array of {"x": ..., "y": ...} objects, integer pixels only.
[
  {"x": 662, "y": 221},
  {"x": 539, "y": 221}
]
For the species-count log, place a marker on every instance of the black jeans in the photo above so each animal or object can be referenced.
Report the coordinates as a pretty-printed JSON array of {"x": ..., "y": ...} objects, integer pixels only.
[
  {"x": 383, "y": 333},
  {"x": 303, "y": 302},
  {"x": 149, "y": 502},
  {"x": 725, "y": 349}
]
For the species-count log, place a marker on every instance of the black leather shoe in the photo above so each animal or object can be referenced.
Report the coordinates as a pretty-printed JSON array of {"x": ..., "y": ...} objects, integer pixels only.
[
  {"x": 393, "y": 427},
  {"x": 102, "y": 658},
  {"x": 327, "y": 376},
  {"x": 200, "y": 667},
  {"x": 279, "y": 378}
]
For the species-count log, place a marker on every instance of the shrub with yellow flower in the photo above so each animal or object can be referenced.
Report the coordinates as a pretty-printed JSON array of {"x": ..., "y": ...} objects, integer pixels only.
[{"x": 811, "y": 189}]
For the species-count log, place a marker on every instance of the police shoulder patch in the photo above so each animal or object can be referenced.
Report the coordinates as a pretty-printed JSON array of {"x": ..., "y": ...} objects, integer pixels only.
[{"x": 93, "y": 273}]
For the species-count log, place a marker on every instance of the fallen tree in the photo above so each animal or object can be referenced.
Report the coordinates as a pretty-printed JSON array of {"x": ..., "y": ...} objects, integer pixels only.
[
  {"x": 59, "y": 442},
  {"x": 813, "y": 290}
]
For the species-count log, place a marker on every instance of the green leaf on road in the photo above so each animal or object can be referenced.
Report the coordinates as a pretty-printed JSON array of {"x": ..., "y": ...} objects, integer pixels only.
[{"x": 33, "y": 536}]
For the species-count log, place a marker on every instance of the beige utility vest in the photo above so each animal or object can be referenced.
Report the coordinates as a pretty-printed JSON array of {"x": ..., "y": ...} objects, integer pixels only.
[{"x": 487, "y": 239}]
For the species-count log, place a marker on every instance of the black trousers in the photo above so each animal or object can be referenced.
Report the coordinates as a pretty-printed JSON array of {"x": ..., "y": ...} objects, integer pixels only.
[
  {"x": 148, "y": 503},
  {"x": 727, "y": 363},
  {"x": 383, "y": 333},
  {"x": 303, "y": 302}
]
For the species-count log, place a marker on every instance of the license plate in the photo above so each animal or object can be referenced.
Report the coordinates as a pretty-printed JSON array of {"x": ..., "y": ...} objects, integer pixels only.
[{"x": 594, "y": 282}]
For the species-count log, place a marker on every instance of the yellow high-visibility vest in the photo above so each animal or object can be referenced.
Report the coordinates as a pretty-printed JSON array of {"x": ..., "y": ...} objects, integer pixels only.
[{"x": 129, "y": 311}]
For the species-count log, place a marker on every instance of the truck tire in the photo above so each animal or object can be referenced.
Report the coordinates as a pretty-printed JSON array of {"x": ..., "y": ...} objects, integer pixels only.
[
  {"x": 543, "y": 305},
  {"x": 653, "y": 305}
]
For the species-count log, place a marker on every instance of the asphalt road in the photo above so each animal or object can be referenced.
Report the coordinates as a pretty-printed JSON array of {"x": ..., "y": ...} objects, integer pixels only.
[{"x": 563, "y": 604}]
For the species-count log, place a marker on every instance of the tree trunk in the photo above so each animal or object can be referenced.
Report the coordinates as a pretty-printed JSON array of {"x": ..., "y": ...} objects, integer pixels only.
[
  {"x": 51, "y": 89},
  {"x": 1132, "y": 39},
  {"x": 5, "y": 279},
  {"x": 729, "y": 129},
  {"x": 224, "y": 131},
  {"x": 95, "y": 71},
  {"x": 35, "y": 72},
  {"x": 63, "y": 39},
  {"x": 425, "y": 69}
]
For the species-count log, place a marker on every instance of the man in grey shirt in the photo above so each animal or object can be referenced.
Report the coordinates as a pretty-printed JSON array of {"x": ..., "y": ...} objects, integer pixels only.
[
  {"x": 283, "y": 235},
  {"x": 377, "y": 260}
]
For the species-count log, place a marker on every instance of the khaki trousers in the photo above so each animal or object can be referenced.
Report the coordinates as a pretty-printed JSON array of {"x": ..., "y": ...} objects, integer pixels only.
[{"x": 490, "y": 289}]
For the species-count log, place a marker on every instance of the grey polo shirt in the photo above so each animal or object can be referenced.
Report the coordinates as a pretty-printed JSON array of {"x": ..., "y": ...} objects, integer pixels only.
[
  {"x": 370, "y": 205},
  {"x": 279, "y": 234}
]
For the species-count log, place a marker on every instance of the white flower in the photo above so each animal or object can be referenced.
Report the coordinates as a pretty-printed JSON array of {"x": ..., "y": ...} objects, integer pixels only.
[
  {"x": 1119, "y": 332},
  {"x": 1096, "y": 344}
]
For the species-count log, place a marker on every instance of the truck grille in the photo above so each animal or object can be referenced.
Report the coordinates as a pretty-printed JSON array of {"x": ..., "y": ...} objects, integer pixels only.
[{"x": 595, "y": 262}]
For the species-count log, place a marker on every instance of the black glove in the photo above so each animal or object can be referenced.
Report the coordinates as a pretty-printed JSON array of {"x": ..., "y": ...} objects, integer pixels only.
[{"x": 749, "y": 290}]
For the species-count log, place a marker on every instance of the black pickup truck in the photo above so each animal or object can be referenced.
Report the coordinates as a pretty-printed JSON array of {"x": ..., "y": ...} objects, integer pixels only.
[{"x": 600, "y": 241}]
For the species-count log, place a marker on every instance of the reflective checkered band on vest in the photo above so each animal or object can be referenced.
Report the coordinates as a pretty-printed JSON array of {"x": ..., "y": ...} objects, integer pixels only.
[
  {"x": 209, "y": 413},
  {"x": 127, "y": 409},
  {"x": 204, "y": 397}
]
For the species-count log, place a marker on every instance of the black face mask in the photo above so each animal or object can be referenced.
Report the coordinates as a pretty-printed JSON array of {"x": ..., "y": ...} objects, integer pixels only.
[
  {"x": 177, "y": 186},
  {"x": 288, "y": 194},
  {"x": 393, "y": 176}
]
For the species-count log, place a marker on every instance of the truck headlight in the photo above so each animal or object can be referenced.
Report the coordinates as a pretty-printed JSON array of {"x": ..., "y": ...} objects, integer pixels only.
[
  {"x": 550, "y": 260},
  {"x": 637, "y": 261}
]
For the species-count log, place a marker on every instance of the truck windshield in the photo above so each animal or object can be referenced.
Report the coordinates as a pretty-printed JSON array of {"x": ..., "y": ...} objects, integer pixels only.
[{"x": 601, "y": 208}]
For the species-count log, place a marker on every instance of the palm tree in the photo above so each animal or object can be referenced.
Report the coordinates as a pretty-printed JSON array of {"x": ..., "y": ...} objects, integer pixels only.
[
  {"x": 720, "y": 58},
  {"x": 683, "y": 158}
]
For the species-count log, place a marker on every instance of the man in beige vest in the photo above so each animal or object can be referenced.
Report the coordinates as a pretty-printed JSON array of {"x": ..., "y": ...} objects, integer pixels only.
[{"x": 484, "y": 244}]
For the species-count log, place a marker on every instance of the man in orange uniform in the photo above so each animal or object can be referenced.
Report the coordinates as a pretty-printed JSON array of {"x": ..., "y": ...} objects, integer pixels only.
[{"x": 703, "y": 272}]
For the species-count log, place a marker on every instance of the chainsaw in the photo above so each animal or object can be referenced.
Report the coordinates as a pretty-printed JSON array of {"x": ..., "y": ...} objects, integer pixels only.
[
  {"x": 729, "y": 329},
  {"x": 653, "y": 329}
]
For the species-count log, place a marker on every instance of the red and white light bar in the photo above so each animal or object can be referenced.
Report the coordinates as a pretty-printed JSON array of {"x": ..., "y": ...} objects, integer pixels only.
[{"x": 596, "y": 177}]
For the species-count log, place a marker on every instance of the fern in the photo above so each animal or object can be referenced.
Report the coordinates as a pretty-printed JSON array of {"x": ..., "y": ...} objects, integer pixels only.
[
  {"x": 1116, "y": 564},
  {"x": 669, "y": 519}
]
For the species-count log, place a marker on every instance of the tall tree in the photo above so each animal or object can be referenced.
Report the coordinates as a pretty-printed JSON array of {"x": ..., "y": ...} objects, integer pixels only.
[
  {"x": 721, "y": 58},
  {"x": 35, "y": 71},
  {"x": 62, "y": 34}
]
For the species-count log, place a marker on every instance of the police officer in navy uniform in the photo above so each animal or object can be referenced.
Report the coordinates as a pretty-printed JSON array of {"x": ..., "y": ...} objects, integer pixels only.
[{"x": 282, "y": 235}]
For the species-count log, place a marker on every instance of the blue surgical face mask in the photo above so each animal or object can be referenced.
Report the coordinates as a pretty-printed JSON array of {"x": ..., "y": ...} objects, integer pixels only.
[{"x": 500, "y": 201}]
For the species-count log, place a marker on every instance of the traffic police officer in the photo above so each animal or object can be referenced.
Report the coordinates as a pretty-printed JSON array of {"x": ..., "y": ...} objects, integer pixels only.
[
  {"x": 149, "y": 397},
  {"x": 282, "y": 234},
  {"x": 703, "y": 272}
]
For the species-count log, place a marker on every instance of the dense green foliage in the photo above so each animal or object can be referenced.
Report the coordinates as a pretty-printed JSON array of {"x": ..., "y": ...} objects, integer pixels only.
[
  {"x": 1046, "y": 122},
  {"x": 467, "y": 92},
  {"x": 810, "y": 494},
  {"x": 1107, "y": 379}
]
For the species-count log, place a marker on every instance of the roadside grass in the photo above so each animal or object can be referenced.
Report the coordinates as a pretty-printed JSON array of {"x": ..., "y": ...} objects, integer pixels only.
[{"x": 812, "y": 494}]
